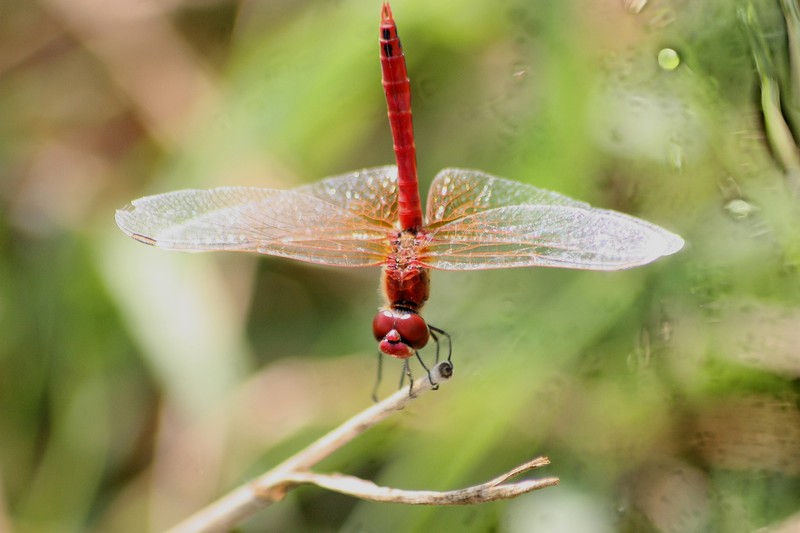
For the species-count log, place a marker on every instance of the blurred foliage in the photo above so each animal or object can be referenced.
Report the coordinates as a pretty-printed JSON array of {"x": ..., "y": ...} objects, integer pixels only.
[{"x": 136, "y": 385}]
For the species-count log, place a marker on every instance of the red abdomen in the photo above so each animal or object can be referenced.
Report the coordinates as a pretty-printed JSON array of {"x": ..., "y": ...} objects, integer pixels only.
[{"x": 398, "y": 99}]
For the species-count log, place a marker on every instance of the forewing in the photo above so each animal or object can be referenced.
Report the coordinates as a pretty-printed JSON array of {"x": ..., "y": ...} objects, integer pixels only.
[
  {"x": 456, "y": 193},
  {"x": 370, "y": 194},
  {"x": 497, "y": 223},
  {"x": 343, "y": 220}
]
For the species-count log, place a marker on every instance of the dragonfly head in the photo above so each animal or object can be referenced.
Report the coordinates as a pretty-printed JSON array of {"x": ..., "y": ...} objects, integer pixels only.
[{"x": 400, "y": 332}]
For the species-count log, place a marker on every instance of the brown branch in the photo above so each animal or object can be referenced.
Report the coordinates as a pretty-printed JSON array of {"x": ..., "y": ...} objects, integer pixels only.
[
  {"x": 273, "y": 486},
  {"x": 490, "y": 491}
]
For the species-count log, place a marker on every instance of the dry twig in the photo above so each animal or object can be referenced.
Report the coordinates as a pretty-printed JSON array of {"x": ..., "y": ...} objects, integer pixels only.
[
  {"x": 273, "y": 486},
  {"x": 490, "y": 491}
]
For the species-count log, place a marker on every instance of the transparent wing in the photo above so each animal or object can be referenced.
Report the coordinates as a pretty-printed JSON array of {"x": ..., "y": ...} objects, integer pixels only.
[
  {"x": 342, "y": 220},
  {"x": 456, "y": 193},
  {"x": 479, "y": 221}
]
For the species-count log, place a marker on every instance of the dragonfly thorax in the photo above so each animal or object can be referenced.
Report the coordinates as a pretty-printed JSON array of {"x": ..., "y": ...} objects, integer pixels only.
[
  {"x": 406, "y": 246},
  {"x": 400, "y": 332},
  {"x": 406, "y": 283}
]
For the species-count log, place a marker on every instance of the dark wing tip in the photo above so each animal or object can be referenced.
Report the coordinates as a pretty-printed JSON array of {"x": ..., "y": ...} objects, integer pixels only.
[
  {"x": 122, "y": 217},
  {"x": 143, "y": 239}
]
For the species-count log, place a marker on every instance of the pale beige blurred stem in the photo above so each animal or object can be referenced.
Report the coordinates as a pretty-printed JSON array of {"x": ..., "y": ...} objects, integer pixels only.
[
  {"x": 148, "y": 60},
  {"x": 5, "y": 519},
  {"x": 272, "y": 486},
  {"x": 791, "y": 12},
  {"x": 789, "y": 525},
  {"x": 778, "y": 131}
]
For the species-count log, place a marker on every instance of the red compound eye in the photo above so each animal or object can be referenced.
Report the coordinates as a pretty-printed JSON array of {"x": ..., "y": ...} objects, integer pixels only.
[
  {"x": 401, "y": 327},
  {"x": 383, "y": 324},
  {"x": 413, "y": 330}
]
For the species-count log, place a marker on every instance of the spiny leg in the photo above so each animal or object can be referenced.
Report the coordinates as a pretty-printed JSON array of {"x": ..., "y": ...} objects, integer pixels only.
[
  {"x": 436, "y": 340},
  {"x": 433, "y": 330},
  {"x": 378, "y": 378},
  {"x": 407, "y": 372},
  {"x": 434, "y": 385}
]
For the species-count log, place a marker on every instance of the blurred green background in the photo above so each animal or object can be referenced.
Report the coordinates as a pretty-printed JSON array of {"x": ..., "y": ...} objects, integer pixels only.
[{"x": 137, "y": 385}]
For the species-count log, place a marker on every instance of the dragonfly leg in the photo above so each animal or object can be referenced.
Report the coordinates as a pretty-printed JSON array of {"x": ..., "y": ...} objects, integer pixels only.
[
  {"x": 433, "y": 330},
  {"x": 378, "y": 378},
  {"x": 407, "y": 372},
  {"x": 435, "y": 386},
  {"x": 436, "y": 340}
]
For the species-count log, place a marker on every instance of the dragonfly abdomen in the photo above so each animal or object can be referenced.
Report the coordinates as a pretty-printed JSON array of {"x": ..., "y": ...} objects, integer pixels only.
[{"x": 397, "y": 89}]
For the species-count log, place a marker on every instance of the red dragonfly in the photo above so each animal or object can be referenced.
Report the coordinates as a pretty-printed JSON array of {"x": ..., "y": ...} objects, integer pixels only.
[{"x": 373, "y": 217}]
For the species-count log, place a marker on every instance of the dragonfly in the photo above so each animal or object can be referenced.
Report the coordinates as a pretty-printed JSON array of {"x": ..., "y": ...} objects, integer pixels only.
[{"x": 373, "y": 217}]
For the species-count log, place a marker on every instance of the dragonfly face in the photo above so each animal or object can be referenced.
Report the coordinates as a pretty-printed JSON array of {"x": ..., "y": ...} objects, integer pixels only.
[{"x": 400, "y": 332}]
